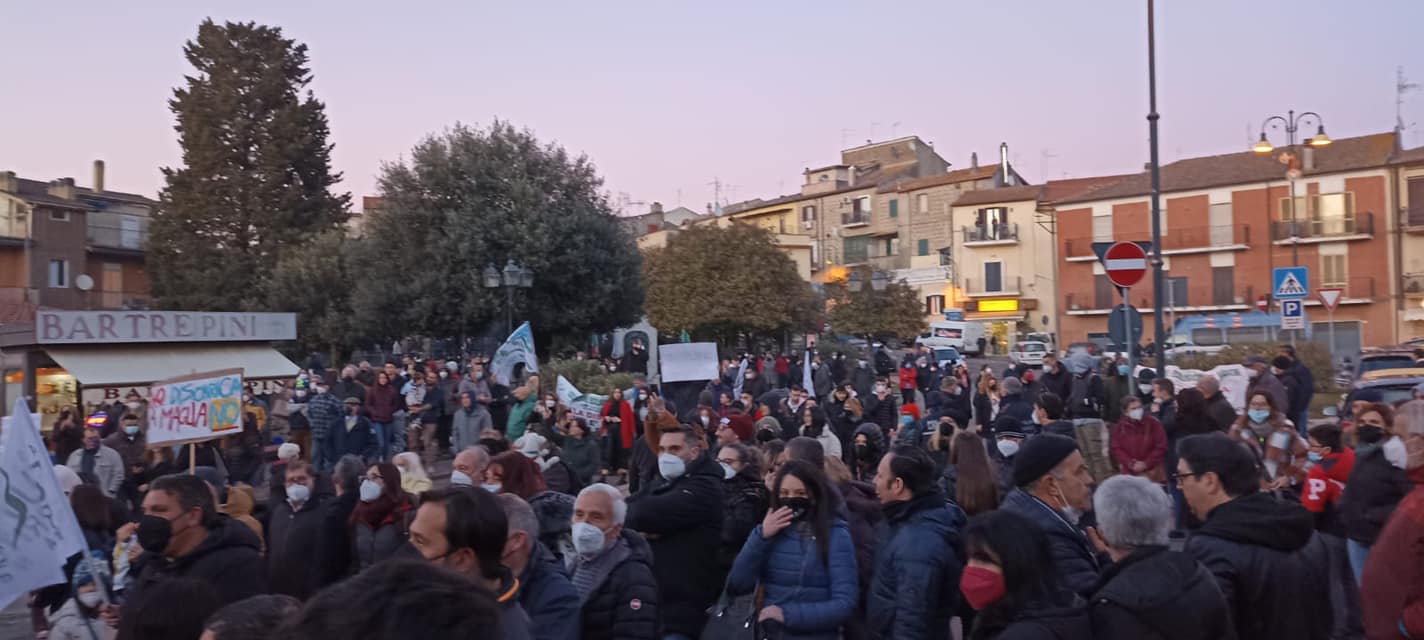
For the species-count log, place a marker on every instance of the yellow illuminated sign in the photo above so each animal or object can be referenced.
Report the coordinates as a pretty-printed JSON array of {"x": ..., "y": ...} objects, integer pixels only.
[{"x": 1008, "y": 304}]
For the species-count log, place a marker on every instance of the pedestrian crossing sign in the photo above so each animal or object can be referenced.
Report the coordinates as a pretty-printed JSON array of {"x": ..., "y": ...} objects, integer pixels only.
[{"x": 1290, "y": 283}]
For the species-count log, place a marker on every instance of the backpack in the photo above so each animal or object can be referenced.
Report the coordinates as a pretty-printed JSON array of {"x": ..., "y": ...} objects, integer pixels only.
[{"x": 1082, "y": 402}]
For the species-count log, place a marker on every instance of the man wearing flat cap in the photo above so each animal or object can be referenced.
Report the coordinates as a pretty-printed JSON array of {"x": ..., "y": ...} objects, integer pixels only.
[{"x": 1054, "y": 488}]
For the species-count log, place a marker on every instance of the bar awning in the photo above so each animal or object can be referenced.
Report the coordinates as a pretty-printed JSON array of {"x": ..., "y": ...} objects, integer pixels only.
[
  {"x": 112, "y": 365},
  {"x": 1019, "y": 316}
]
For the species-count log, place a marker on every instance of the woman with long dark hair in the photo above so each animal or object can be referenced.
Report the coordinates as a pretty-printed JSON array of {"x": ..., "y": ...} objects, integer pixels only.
[
  {"x": 744, "y": 497},
  {"x": 381, "y": 519},
  {"x": 1010, "y": 581},
  {"x": 976, "y": 488},
  {"x": 802, "y": 555}
]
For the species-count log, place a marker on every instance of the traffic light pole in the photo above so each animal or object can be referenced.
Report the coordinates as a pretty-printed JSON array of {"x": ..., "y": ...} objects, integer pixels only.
[{"x": 1152, "y": 117}]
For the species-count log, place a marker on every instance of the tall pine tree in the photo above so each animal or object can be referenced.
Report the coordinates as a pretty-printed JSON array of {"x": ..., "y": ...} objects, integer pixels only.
[{"x": 256, "y": 177}]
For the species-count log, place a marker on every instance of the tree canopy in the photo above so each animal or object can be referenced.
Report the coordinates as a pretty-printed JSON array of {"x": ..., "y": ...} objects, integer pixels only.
[
  {"x": 256, "y": 176},
  {"x": 470, "y": 198},
  {"x": 316, "y": 285},
  {"x": 718, "y": 282},
  {"x": 895, "y": 311}
]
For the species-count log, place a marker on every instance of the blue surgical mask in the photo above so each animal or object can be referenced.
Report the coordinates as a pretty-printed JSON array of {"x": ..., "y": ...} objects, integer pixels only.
[
  {"x": 907, "y": 420},
  {"x": 1258, "y": 415},
  {"x": 131, "y": 429},
  {"x": 1123, "y": 370},
  {"x": 1314, "y": 457},
  {"x": 492, "y": 487},
  {"x": 671, "y": 467}
]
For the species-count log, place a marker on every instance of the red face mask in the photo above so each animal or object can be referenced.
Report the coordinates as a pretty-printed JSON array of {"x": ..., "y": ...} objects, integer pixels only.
[{"x": 981, "y": 587}]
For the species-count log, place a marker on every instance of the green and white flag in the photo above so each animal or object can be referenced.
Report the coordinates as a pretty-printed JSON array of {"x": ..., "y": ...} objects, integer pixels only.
[
  {"x": 518, "y": 348},
  {"x": 38, "y": 530}
]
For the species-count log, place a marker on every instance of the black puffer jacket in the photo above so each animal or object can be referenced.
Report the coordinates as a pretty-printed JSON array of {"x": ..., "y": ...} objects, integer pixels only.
[
  {"x": 744, "y": 505},
  {"x": 1270, "y": 566},
  {"x": 683, "y": 518},
  {"x": 625, "y": 605},
  {"x": 229, "y": 559},
  {"x": 1155, "y": 593},
  {"x": 1373, "y": 491},
  {"x": 1035, "y": 622},
  {"x": 294, "y": 539}
]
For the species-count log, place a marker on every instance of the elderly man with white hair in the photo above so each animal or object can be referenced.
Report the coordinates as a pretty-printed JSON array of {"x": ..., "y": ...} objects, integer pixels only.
[
  {"x": 1150, "y": 591},
  {"x": 613, "y": 571},
  {"x": 1217, "y": 406}
]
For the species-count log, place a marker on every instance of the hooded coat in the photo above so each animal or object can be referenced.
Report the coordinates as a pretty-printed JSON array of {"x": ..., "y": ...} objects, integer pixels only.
[
  {"x": 917, "y": 569},
  {"x": 1157, "y": 594},
  {"x": 1270, "y": 566}
]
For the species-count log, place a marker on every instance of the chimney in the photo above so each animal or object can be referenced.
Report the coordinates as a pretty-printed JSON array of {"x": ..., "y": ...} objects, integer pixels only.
[
  {"x": 62, "y": 188},
  {"x": 98, "y": 176},
  {"x": 973, "y": 160},
  {"x": 657, "y": 207},
  {"x": 1004, "y": 163},
  {"x": 8, "y": 182},
  {"x": 1307, "y": 158}
]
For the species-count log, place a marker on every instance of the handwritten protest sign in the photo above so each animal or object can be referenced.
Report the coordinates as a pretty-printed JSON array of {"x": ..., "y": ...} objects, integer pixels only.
[
  {"x": 194, "y": 408},
  {"x": 1232, "y": 377},
  {"x": 582, "y": 405},
  {"x": 38, "y": 530}
]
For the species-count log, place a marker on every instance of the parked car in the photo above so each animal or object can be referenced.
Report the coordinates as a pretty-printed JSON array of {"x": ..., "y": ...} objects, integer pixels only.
[
  {"x": 1379, "y": 359},
  {"x": 1028, "y": 352},
  {"x": 1397, "y": 385},
  {"x": 947, "y": 357}
]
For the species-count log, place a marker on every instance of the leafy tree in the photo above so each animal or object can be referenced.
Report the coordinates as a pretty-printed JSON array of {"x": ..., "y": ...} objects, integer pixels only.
[
  {"x": 256, "y": 177},
  {"x": 719, "y": 282},
  {"x": 895, "y": 311},
  {"x": 469, "y": 198},
  {"x": 316, "y": 285}
]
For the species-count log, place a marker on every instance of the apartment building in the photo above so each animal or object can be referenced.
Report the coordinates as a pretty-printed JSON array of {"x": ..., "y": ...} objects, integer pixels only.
[
  {"x": 1228, "y": 220},
  {"x": 1409, "y": 242},
  {"x": 64, "y": 246}
]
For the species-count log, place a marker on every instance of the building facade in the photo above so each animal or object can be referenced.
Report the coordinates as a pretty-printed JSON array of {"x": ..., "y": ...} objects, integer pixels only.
[
  {"x": 1227, "y": 221},
  {"x": 64, "y": 246},
  {"x": 1408, "y": 187}
]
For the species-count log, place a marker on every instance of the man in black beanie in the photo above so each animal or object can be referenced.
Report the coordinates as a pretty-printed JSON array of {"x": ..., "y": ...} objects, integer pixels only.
[{"x": 1054, "y": 488}]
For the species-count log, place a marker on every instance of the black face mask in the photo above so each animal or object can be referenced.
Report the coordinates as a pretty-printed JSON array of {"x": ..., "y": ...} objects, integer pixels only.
[
  {"x": 799, "y": 507},
  {"x": 765, "y": 436},
  {"x": 1369, "y": 434},
  {"x": 862, "y": 451},
  {"x": 946, "y": 428},
  {"x": 154, "y": 533}
]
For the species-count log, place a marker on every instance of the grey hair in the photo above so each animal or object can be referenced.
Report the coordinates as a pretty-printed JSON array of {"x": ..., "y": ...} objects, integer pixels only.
[
  {"x": 1132, "y": 512},
  {"x": 348, "y": 473},
  {"x": 520, "y": 515},
  {"x": 620, "y": 505},
  {"x": 1012, "y": 385},
  {"x": 480, "y": 453},
  {"x": 1210, "y": 381}
]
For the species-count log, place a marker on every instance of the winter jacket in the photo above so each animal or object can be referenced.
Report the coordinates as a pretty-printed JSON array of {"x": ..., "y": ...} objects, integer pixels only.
[
  {"x": 294, "y": 537},
  {"x": 1157, "y": 594},
  {"x": 555, "y": 512},
  {"x": 69, "y": 624},
  {"x": 1304, "y": 388},
  {"x": 227, "y": 559},
  {"x": 130, "y": 449},
  {"x": 1270, "y": 565},
  {"x": 548, "y": 597},
  {"x": 466, "y": 425},
  {"x": 917, "y": 566},
  {"x": 1140, "y": 441},
  {"x": 1018, "y": 406},
  {"x": 583, "y": 457},
  {"x": 1281, "y": 452},
  {"x": 815, "y": 595},
  {"x": 822, "y": 381},
  {"x": 1034, "y": 621},
  {"x": 108, "y": 468},
  {"x": 1072, "y": 554},
  {"x": 626, "y": 428},
  {"x": 1373, "y": 491},
  {"x": 1086, "y": 397},
  {"x": 954, "y": 405},
  {"x": 862, "y": 379},
  {"x": 983, "y": 411},
  {"x": 359, "y": 440},
  {"x": 1115, "y": 388},
  {"x": 239, "y": 507},
  {"x": 1058, "y": 381},
  {"x": 1063, "y": 428},
  {"x": 348, "y": 388},
  {"x": 881, "y": 412},
  {"x": 1221, "y": 412},
  {"x": 1266, "y": 382},
  {"x": 685, "y": 515},
  {"x": 1324, "y": 483},
  {"x": 337, "y": 555},
  {"x": 1392, "y": 585},
  {"x": 744, "y": 504},
  {"x": 1191, "y": 424},
  {"x": 374, "y": 544},
  {"x": 625, "y": 605},
  {"x": 863, "y": 515}
]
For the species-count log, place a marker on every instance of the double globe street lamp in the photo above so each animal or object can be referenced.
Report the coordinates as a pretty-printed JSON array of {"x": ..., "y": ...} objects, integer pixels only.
[
  {"x": 1291, "y": 159},
  {"x": 510, "y": 278}
]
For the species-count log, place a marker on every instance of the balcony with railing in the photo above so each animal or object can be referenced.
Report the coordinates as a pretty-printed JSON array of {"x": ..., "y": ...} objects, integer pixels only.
[
  {"x": 1413, "y": 285},
  {"x": 117, "y": 233},
  {"x": 855, "y": 218},
  {"x": 1354, "y": 226},
  {"x": 1414, "y": 218},
  {"x": 1007, "y": 287},
  {"x": 990, "y": 234},
  {"x": 1175, "y": 241}
]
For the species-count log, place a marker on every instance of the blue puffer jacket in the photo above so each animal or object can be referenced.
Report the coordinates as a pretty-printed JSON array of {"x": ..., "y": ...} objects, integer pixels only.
[
  {"x": 917, "y": 568},
  {"x": 815, "y": 599}
]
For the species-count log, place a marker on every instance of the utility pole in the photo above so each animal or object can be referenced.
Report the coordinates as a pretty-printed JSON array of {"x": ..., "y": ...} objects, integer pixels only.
[{"x": 1152, "y": 117}]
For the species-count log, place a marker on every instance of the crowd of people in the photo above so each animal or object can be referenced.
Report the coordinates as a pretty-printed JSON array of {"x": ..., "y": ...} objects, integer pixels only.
[{"x": 803, "y": 497}]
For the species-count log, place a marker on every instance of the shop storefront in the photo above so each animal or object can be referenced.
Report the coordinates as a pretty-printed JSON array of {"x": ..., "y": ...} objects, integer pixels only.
[
  {"x": 95, "y": 358},
  {"x": 1003, "y": 319}
]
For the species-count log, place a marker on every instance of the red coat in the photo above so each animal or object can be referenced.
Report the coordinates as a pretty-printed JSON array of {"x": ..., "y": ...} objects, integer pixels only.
[
  {"x": 907, "y": 377},
  {"x": 1392, "y": 586},
  {"x": 625, "y": 416},
  {"x": 1326, "y": 481},
  {"x": 1139, "y": 440}
]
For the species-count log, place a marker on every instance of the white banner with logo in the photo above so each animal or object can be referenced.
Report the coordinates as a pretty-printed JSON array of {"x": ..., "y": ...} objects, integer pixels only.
[
  {"x": 587, "y": 406},
  {"x": 38, "y": 530},
  {"x": 1232, "y": 376},
  {"x": 518, "y": 348}
]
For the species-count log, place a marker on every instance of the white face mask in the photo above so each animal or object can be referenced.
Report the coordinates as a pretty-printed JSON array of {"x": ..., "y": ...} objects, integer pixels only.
[
  {"x": 1008, "y": 448},
  {"x": 369, "y": 490},
  {"x": 588, "y": 539},
  {"x": 1135, "y": 414},
  {"x": 705, "y": 420},
  {"x": 727, "y": 471},
  {"x": 671, "y": 467},
  {"x": 461, "y": 479},
  {"x": 1144, "y": 388},
  {"x": 90, "y": 599},
  {"x": 298, "y": 493},
  {"x": 1395, "y": 452},
  {"x": 1037, "y": 420}
]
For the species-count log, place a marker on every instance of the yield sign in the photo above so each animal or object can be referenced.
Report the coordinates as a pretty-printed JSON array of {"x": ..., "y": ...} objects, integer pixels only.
[
  {"x": 1125, "y": 263},
  {"x": 1330, "y": 298}
]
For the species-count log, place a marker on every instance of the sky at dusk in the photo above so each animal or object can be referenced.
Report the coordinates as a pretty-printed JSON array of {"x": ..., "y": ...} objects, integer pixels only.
[{"x": 666, "y": 97}]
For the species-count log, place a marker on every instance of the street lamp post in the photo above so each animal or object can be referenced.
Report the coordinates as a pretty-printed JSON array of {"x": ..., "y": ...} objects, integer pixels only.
[
  {"x": 510, "y": 278},
  {"x": 1291, "y": 121}
]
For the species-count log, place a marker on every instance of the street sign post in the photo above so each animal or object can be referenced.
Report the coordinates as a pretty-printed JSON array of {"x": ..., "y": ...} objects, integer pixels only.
[
  {"x": 1125, "y": 321},
  {"x": 1263, "y": 303},
  {"x": 1330, "y": 298},
  {"x": 1290, "y": 283},
  {"x": 1125, "y": 263}
]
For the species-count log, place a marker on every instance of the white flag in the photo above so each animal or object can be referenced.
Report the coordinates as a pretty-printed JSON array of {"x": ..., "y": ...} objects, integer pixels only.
[
  {"x": 806, "y": 375},
  {"x": 518, "y": 348},
  {"x": 588, "y": 406},
  {"x": 38, "y": 531}
]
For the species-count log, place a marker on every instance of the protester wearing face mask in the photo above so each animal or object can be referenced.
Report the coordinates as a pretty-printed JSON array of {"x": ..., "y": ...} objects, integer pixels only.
[
  {"x": 802, "y": 556},
  {"x": 381, "y": 520},
  {"x": 1139, "y": 443},
  {"x": 880, "y": 405},
  {"x": 468, "y": 468},
  {"x": 79, "y": 617},
  {"x": 96, "y": 460},
  {"x": 1010, "y": 582},
  {"x": 1274, "y": 441},
  {"x": 128, "y": 440},
  {"x": 1330, "y": 466},
  {"x": 544, "y": 591},
  {"x": 681, "y": 513},
  {"x": 181, "y": 528},
  {"x": 1375, "y": 487},
  {"x": 745, "y": 497},
  {"x": 867, "y": 446},
  {"x": 1263, "y": 380},
  {"x": 296, "y": 534},
  {"x": 1053, "y": 490},
  {"x": 613, "y": 570},
  {"x": 1117, "y": 384},
  {"x": 1390, "y": 587}
]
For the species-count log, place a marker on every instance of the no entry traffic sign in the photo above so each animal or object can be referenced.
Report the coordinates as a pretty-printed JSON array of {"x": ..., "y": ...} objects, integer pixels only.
[{"x": 1125, "y": 263}]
